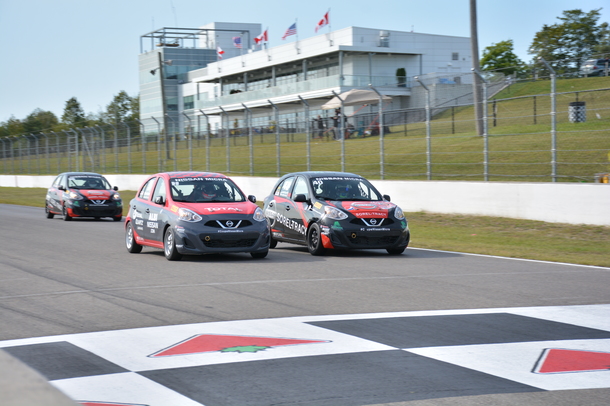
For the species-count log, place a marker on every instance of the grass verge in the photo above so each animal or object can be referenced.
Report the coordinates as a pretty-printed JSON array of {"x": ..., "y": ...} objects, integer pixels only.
[{"x": 577, "y": 244}]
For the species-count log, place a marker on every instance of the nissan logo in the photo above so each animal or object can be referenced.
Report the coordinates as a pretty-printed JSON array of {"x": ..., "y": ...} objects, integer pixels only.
[
  {"x": 373, "y": 221},
  {"x": 229, "y": 223}
]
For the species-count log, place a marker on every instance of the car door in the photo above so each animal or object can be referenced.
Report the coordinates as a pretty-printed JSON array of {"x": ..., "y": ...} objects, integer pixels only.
[
  {"x": 296, "y": 212},
  {"x": 155, "y": 221},
  {"x": 55, "y": 195},
  {"x": 278, "y": 207},
  {"x": 140, "y": 209}
]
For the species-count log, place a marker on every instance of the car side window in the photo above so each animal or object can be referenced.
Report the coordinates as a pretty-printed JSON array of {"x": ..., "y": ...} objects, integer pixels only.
[
  {"x": 283, "y": 190},
  {"x": 300, "y": 188},
  {"x": 145, "y": 191},
  {"x": 57, "y": 181},
  {"x": 160, "y": 190}
]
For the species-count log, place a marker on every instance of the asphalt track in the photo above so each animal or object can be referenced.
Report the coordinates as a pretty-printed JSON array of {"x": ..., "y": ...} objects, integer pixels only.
[{"x": 67, "y": 285}]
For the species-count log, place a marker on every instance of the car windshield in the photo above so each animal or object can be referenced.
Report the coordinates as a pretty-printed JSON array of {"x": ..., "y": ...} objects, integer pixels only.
[
  {"x": 344, "y": 188},
  {"x": 205, "y": 190},
  {"x": 88, "y": 182}
]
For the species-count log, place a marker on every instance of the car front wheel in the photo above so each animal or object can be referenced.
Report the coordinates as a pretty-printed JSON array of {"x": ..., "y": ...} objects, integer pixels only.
[
  {"x": 47, "y": 211},
  {"x": 314, "y": 240},
  {"x": 64, "y": 211},
  {"x": 169, "y": 246},
  {"x": 130, "y": 240},
  {"x": 396, "y": 251}
]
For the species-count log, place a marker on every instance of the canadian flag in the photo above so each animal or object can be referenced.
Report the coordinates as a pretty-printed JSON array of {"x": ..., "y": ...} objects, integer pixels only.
[
  {"x": 220, "y": 52},
  {"x": 323, "y": 22},
  {"x": 264, "y": 37}
]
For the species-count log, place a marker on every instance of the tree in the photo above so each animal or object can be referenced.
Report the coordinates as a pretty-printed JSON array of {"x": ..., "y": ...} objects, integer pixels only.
[
  {"x": 122, "y": 108},
  {"x": 40, "y": 121},
  {"x": 501, "y": 57},
  {"x": 567, "y": 44},
  {"x": 73, "y": 116}
]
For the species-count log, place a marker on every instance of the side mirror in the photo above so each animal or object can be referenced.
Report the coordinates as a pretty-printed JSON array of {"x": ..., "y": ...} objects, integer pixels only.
[
  {"x": 252, "y": 198},
  {"x": 116, "y": 188},
  {"x": 300, "y": 198},
  {"x": 159, "y": 200},
  {"x": 387, "y": 197},
  {"x": 61, "y": 187}
]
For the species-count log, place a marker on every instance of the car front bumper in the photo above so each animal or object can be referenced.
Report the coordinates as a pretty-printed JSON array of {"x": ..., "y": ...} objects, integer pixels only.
[
  {"x": 345, "y": 235},
  {"x": 193, "y": 239}
]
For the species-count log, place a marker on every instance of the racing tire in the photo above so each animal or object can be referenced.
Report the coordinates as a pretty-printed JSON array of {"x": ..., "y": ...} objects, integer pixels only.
[
  {"x": 47, "y": 211},
  {"x": 396, "y": 251},
  {"x": 117, "y": 218},
  {"x": 64, "y": 211},
  {"x": 169, "y": 246},
  {"x": 314, "y": 240},
  {"x": 259, "y": 254},
  {"x": 272, "y": 242},
  {"x": 130, "y": 240}
]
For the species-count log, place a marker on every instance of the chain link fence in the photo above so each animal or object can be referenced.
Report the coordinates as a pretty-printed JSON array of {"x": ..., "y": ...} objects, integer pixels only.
[{"x": 531, "y": 133}]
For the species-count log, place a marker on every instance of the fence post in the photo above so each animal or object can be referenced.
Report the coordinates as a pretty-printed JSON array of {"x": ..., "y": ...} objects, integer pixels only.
[
  {"x": 143, "y": 142},
  {"x": 128, "y": 146},
  {"x": 3, "y": 154},
  {"x": 248, "y": 121},
  {"x": 159, "y": 163},
  {"x": 553, "y": 122},
  {"x": 190, "y": 141},
  {"x": 428, "y": 141},
  {"x": 485, "y": 135},
  {"x": 277, "y": 137},
  {"x": 228, "y": 136},
  {"x": 207, "y": 141},
  {"x": 308, "y": 132}
]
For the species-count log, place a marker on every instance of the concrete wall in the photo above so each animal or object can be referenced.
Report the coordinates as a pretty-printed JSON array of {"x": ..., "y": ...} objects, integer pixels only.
[{"x": 573, "y": 203}]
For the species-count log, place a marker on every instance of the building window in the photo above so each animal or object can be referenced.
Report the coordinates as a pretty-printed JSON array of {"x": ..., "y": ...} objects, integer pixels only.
[{"x": 455, "y": 56}]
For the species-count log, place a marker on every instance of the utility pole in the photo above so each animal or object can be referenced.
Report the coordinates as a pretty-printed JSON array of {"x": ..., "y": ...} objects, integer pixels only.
[{"x": 476, "y": 83}]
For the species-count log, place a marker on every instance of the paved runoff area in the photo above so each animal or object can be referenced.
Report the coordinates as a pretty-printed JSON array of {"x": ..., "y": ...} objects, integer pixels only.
[{"x": 330, "y": 360}]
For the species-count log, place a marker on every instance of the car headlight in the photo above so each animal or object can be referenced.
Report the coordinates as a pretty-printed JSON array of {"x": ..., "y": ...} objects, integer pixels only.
[
  {"x": 398, "y": 213},
  {"x": 75, "y": 196},
  {"x": 188, "y": 215},
  {"x": 258, "y": 214},
  {"x": 116, "y": 196},
  {"x": 334, "y": 213}
]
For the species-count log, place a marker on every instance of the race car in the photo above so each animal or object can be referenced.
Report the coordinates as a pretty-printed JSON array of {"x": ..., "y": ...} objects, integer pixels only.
[
  {"x": 334, "y": 210},
  {"x": 195, "y": 213},
  {"x": 83, "y": 194}
]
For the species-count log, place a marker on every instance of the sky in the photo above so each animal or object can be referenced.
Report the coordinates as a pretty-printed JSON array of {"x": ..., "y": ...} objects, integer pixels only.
[{"x": 54, "y": 50}]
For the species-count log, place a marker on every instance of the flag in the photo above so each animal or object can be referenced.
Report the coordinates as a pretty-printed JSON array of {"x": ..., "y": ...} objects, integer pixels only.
[
  {"x": 264, "y": 37},
  {"x": 323, "y": 22},
  {"x": 219, "y": 51},
  {"x": 237, "y": 42},
  {"x": 292, "y": 30}
]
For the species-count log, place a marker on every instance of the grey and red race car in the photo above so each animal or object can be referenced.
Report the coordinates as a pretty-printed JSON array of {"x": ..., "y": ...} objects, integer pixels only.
[
  {"x": 195, "y": 213},
  {"x": 334, "y": 210},
  {"x": 83, "y": 194}
]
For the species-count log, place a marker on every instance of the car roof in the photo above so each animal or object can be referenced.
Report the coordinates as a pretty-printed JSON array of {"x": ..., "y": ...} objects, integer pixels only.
[
  {"x": 80, "y": 173},
  {"x": 321, "y": 174},
  {"x": 190, "y": 174}
]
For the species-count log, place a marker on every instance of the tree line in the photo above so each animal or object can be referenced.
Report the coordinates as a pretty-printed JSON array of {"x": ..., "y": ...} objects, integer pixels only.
[{"x": 564, "y": 45}]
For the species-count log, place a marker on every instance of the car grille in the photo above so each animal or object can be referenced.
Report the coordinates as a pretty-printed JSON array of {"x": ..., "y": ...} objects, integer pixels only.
[
  {"x": 231, "y": 223},
  {"x": 368, "y": 222},
  {"x": 229, "y": 243},
  {"x": 364, "y": 241}
]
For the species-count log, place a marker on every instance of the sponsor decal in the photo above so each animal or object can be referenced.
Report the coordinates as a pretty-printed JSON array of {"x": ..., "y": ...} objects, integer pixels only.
[
  {"x": 291, "y": 224},
  {"x": 336, "y": 226},
  {"x": 153, "y": 216},
  {"x": 138, "y": 222},
  {"x": 378, "y": 214},
  {"x": 174, "y": 209},
  {"x": 152, "y": 224},
  {"x": 317, "y": 205},
  {"x": 230, "y": 231},
  {"x": 374, "y": 229},
  {"x": 214, "y": 209}
]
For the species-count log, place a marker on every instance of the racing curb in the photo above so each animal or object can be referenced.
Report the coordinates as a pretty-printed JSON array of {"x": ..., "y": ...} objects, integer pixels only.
[{"x": 20, "y": 385}]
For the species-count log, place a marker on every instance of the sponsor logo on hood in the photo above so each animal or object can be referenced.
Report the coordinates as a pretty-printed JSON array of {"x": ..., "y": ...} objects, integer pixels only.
[{"x": 368, "y": 209}]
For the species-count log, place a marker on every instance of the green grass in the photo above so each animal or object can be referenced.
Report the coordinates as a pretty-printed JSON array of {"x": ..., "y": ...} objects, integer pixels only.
[
  {"x": 578, "y": 244},
  {"x": 519, "y": 145}
]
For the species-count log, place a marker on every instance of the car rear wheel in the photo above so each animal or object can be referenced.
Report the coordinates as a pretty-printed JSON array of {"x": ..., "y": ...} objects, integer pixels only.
[
  {"x": 64, "y": 211},
  {"x": 130, "y": 240},
  {"x": 169, "y": 246},
  {"x": 314, "y": 240},
  {"x": 396, "y": 251},
  {"x": 47, "y": 211}
]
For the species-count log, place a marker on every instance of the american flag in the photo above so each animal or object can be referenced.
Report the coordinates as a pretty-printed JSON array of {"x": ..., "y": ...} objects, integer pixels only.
[
  {"x": 237, "y": 42},
  {"x": 292, "y": 30}
]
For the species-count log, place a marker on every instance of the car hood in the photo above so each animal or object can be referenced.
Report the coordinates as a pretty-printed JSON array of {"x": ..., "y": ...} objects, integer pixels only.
[
  {"x": 95, "y": 194},
  {"x": 218, "y": 208},
  {"x": 360, "y": 209}
]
